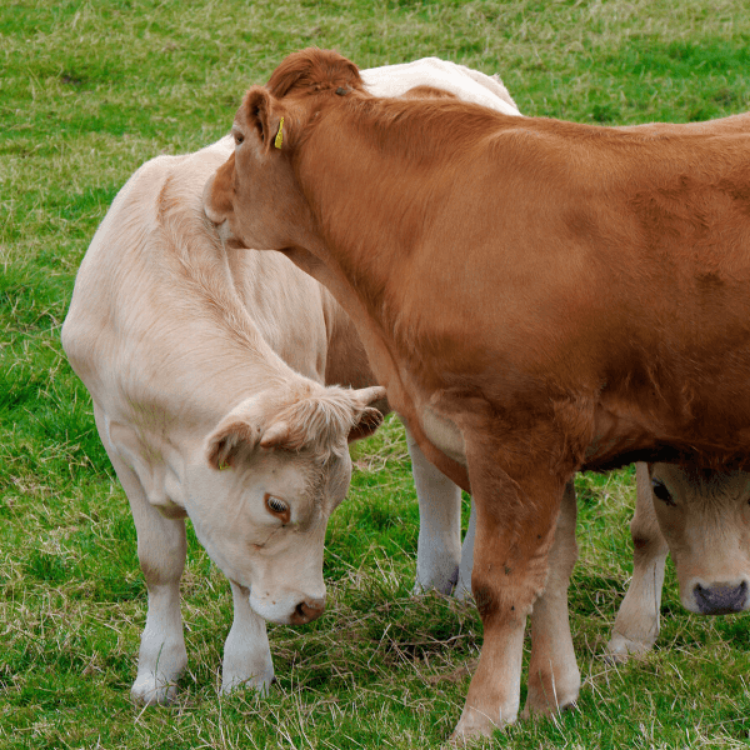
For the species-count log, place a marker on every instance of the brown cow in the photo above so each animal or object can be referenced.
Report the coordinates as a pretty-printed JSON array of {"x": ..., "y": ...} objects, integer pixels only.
[{"x": 537, "y": 296}]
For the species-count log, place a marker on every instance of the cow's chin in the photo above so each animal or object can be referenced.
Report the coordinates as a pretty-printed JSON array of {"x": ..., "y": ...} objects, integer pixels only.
[{"x": 279, "y": 610}]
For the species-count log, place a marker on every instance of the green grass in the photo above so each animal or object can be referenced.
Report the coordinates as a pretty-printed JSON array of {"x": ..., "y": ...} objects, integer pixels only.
[{"x": 88, "y": 91}]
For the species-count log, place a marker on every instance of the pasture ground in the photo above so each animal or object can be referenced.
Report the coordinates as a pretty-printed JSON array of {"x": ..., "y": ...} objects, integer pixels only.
[{"x": 89, "y": 91}]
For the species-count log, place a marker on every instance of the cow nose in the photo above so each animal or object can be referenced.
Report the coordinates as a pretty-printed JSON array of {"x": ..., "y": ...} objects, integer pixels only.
[
  {"x": 720, "y": 598},
  {"x": 307, "y": 611}
]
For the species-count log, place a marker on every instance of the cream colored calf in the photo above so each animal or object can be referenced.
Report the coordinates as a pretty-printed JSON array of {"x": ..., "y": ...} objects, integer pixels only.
[
  {"x": 202, "y": 418},
  {"x": 703, "y": 520},
  {"x": 205, "y": 364}
]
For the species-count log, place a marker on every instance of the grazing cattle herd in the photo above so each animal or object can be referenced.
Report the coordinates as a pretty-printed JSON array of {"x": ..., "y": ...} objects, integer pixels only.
[{"x": 533, "y": 297}]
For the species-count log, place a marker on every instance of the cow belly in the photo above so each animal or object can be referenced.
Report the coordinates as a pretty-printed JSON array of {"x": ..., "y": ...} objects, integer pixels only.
[{"x": 444, "y": 435}]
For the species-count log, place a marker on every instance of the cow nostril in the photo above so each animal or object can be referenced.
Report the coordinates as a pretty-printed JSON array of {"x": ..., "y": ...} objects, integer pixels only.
[
  {"x": 308, "y": 610},
  {"x": 742, "y": 592}
]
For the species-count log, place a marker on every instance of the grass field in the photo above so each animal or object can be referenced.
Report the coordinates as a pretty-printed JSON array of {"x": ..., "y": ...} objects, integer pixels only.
[{"x": 88, "y": 91}]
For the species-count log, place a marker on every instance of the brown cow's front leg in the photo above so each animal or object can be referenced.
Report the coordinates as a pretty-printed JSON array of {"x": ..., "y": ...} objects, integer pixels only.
[
  {"x": 516, "y": 520},
  {"x": 554, "y": 678}
]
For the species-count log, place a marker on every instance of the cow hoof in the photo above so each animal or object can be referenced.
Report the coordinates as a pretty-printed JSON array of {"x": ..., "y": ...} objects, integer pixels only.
[
  {"x": 472, "y": 726},
  {"x": 261, "y": 685},
  {"x": 536, "y": 709},
  {"x": 442, "y": 583},
  {"x": 620, "y": 649},
  {"x": 548, "y": 697},
  {"x": 462, "y": 592},
  {"x": 148, "y": 691}
]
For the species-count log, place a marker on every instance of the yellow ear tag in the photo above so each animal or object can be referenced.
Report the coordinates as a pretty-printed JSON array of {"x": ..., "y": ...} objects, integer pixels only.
[
  {"x": 280, "y": 135},
  {"x": 223, "y": 466}
]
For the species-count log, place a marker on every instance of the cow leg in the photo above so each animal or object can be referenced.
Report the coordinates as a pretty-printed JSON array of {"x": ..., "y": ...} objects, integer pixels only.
[
  {"x": 463, "y": 587},
  {"x": 516, "y": 521},
  {"x": 554, "y": 678},
  {"x": 637, "y": 624},
  {"x": 439, "y": 546},
  {"x": 161, "y": 552},
  {"x": 247, "y": 655}
]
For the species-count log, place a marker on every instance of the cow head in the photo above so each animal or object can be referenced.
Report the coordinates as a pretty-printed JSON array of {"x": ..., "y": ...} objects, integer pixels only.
[
  {"x": 276, "y": 466},
  {"x": 705, "y": 518},
  {"x": 268, "y": 128}
]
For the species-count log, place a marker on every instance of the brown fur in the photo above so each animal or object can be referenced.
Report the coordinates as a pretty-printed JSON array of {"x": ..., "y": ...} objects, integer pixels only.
[
  {"x": 312, "y": 71},
  {"x": 566, "y": 296}
]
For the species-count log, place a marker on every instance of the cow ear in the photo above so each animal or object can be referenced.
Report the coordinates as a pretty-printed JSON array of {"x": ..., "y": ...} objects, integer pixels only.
[
  {"x": 369, "y": 421},
  {"x": 263, "y": 113},
  {"x": 368, "y": 418},
  {"x": 232, "y": 435},
  {"x": 278, "y": 435}
]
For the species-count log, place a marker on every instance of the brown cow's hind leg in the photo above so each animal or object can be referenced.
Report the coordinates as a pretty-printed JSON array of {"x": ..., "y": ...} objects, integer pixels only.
[
  {"x": 554, "y": 678},
  {"x": 516, "y": 520}
]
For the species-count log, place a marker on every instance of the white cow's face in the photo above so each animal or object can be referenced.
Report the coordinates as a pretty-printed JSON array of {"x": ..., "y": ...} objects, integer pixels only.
[
  {"x": 705, "y": 518},
  {"x": 263, "y": 522},
  {"x": 267, "y": 480}
]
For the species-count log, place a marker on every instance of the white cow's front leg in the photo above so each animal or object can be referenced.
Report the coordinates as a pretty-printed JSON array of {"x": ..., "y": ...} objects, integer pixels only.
[
  {"x": 247, "y": 655},
  {"x": 439, "y": 546},
  {"x": 161, "y": 551},
  {"x": 162, "y": 658},
  {"x": 637, "y": 624}
]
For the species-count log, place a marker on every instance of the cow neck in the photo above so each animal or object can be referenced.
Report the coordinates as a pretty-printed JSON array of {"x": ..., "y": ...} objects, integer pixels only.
[
  {"x": 223, "y": 353},
  {"x": 361, "y": 295}
]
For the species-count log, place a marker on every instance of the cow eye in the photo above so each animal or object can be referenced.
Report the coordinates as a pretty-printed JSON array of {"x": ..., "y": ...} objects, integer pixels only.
[
  {"x": 238, "y": 138},
  {"x": 660, "y": 491},
  {"x": 278, "y": 507}
]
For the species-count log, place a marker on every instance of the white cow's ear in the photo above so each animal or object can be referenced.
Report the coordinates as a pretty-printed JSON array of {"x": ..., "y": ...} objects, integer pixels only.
[
  {"x": 367, "y": 417},
  {"x": 232, "y": 435},
  {"x": 278, "y": 435},
  {"x": 369, "y": 421}
]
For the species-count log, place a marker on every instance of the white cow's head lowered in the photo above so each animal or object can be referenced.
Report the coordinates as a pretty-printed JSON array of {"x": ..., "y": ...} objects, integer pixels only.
[
  {"x": 705, "y": 519},
  {"x": 276, "y": 466}
]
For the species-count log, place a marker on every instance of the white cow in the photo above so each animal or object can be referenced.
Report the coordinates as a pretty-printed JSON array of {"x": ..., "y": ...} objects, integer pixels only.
[
  {"x": 202, "y": 418},
  {"x": 206, "y": 367}
]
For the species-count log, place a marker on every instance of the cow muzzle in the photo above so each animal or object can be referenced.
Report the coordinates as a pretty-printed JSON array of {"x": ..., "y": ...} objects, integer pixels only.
[
  {"x": 722, "y": 598},
  {"x": 307, "y": 611},
  {"x": 288, "y": 608}
]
